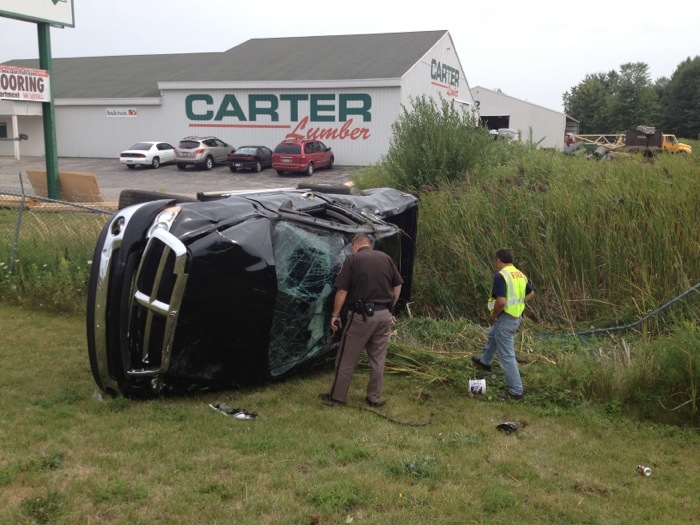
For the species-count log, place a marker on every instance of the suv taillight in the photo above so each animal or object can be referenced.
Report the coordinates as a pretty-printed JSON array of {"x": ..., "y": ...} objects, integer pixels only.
[{"x": 199, "y": 150}]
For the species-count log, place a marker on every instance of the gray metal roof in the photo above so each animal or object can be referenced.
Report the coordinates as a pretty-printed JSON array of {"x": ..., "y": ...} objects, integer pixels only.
[{"x": 335, "y": 57}]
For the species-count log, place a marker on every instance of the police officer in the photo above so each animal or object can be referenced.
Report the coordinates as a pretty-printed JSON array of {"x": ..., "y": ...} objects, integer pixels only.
[
  {"x": 371, "y": 284},
  {"x": 509, "y": 293}
]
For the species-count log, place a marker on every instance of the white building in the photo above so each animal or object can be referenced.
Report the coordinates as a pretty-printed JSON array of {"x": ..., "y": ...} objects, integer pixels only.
[
  {"x": 345, "y": 90},
  {"x": 545, "y": 127}
]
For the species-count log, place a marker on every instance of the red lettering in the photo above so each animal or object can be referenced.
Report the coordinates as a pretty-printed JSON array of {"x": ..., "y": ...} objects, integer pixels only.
[
  {"x": 345, "y": 131},
  {"x": 300, "y": 127}
]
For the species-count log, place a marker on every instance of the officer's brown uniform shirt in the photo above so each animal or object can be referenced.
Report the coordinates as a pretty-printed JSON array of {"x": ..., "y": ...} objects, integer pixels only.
[{"x": 369, "y": 275}]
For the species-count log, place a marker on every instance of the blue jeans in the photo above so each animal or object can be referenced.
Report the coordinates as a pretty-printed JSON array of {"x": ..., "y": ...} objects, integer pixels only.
[{"x": 500, "y": 341}]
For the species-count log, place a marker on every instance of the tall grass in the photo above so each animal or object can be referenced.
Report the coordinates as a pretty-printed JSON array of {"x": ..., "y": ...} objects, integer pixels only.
[{"x": 603, "y": 242}]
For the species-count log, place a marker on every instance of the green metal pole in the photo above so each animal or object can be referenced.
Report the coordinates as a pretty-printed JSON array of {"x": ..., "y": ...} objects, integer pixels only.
[{"x": 49, "y": 115}]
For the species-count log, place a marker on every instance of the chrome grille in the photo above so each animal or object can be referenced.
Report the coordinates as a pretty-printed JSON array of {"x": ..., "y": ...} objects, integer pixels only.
[{"x": 155, "y": 304}]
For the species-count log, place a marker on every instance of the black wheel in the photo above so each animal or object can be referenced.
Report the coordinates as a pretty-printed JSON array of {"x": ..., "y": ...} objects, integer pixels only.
[
  {"x": 309, "y": 169},
  {"x": 279, "y": 172},
  {"x": 330, "y": 163},
  {"x": 208, "y": 163},
  {"x": 233, "y": 169},
  {"x": 130, "y": 166},
  {"x": 155, "y": 163},
  {"x": 258, "y": 167},
  {"x": 181, "y": 166}
]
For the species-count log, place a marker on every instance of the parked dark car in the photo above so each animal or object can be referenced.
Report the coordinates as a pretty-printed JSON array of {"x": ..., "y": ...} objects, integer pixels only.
[
  {"x": 304, "y": 156},
  {"x": 254, "y": 158},
  {"x": 228, "y": 289}
]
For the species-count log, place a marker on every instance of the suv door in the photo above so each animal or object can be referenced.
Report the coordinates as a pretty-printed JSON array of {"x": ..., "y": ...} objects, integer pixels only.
[{"x": 220, "y": 149}]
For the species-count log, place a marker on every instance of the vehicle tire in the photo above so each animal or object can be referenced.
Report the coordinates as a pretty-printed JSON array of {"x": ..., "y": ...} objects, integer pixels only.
[
  {"x": 155, "y": 163},
  {"x": 309, "y": 169},
  {"x": 131, "y": 166},
  {"x": 233, "y": 169},
  {"x": 181, "y": 166},
  {"x": 208, "y": 163},
  {"x": 330, "y": 163},
  {"x": 130, "y": 197},
  {"x": 258, "y": 167},
  {"x": 279, "y": 172}
]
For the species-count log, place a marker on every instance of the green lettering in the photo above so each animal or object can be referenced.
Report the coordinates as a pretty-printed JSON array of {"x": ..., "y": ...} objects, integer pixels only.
[
  {"x": 294, "y": 105},
  {"x": 354, "y": 104},
  {"x": 317, "y": 108},
  {"x": 236, "y": 111},
  {"x": 189, "y": 109},
  {"x": 272, "y": 104}
]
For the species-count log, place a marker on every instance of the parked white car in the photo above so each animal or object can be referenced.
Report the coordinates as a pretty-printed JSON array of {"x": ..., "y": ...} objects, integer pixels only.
[{"x": 151, "y": 154}]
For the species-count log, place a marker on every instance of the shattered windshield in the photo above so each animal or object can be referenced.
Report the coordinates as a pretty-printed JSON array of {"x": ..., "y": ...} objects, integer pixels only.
[{"x": 306, "y": 262}]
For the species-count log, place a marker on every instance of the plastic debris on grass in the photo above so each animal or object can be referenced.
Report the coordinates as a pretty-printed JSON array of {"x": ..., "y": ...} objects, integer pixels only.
[{"x": 238, "y": 413}]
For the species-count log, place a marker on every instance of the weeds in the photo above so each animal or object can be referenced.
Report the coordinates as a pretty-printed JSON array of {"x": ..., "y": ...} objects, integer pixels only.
[
  {"x": 44, "y": 509},
  {"x": 52, "y": 258}
]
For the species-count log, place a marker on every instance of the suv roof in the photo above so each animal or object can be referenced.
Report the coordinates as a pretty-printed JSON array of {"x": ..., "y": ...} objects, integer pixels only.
[{"x": 197, "y": 137}]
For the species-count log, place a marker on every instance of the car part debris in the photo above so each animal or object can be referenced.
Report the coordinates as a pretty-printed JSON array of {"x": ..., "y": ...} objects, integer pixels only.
[
  {"x": 238, "y": 413},
  {"x": 508, "y": 426}
]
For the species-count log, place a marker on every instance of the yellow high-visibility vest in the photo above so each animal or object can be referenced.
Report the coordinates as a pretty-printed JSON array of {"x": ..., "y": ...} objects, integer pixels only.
[{"x": 515, "y": 291}]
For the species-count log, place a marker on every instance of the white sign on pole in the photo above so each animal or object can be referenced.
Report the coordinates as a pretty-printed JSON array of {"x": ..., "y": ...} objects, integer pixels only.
[
  {"x": 24, "y": 84},
  {"x": 57, "y": 12}
]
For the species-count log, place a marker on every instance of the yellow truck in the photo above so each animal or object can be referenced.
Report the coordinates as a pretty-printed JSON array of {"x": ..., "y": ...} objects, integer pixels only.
[{"x": 670, "y": 143}]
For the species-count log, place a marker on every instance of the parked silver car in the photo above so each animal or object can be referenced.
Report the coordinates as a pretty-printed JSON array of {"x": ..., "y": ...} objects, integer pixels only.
[{"x": 201, "y": 152}]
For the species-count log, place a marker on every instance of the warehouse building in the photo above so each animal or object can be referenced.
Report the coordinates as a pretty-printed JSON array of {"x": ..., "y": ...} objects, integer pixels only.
[
  {"x": 344, "y": 90},
  {"x": 544, "y": 127}
]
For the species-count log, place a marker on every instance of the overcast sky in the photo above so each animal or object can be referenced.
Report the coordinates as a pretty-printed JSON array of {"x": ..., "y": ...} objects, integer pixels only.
[{"x": 534, "y": 50}]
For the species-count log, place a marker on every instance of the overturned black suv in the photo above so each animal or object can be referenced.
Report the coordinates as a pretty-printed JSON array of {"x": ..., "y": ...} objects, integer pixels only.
[{"x": 230, "y": 288}]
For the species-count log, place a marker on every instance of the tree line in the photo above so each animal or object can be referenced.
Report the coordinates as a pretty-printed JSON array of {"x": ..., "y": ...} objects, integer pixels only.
[{"x": 626, "y": 98}]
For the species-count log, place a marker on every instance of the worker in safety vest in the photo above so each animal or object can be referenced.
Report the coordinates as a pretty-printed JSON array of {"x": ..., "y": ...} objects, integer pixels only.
[{"x": 509, "y": 293}]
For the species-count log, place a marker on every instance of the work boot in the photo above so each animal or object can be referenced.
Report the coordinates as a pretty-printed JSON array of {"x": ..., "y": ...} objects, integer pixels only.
[{"x": 477, "y": 361}]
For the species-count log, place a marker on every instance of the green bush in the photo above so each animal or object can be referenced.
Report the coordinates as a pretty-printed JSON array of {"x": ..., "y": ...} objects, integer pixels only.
[{"x": 434, "y": 142}]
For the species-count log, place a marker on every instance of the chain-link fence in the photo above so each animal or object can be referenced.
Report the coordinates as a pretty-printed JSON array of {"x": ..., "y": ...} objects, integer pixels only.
[{"x": 46, "y": 247}]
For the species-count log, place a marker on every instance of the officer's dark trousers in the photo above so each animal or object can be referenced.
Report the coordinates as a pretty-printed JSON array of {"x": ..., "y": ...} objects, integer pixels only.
[{"x": 372, "y": 334}]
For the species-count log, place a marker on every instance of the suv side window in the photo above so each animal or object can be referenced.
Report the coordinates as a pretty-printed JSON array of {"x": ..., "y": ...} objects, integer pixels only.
[
  {"x": 219, "y": 143},
  {"x": 308, "y": 147}
]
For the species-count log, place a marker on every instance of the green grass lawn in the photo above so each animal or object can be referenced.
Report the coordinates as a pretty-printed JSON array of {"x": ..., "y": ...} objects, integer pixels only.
[{"x": 70, "y": 456}]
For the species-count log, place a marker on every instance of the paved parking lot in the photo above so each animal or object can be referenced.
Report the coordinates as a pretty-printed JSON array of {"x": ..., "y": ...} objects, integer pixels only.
[{"x": 113, "y": 177}]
